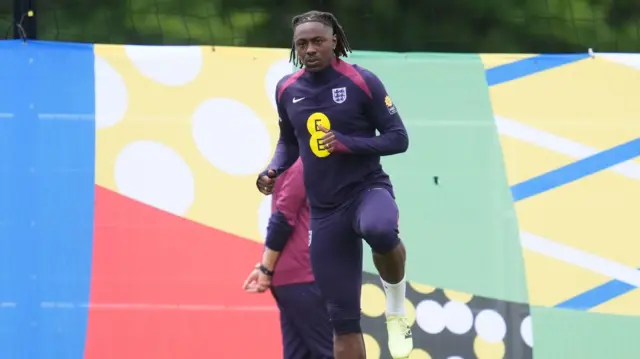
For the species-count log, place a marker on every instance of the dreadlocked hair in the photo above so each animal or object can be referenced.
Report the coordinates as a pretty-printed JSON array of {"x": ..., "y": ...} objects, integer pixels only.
[{"x": 342, "y": 44}]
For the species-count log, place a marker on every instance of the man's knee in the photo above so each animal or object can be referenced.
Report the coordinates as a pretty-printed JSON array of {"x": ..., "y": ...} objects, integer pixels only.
[
  {"x": 346, "y": 326},
  {"x": 381, "y": 234},
  {"x": 345, "y": 320}
]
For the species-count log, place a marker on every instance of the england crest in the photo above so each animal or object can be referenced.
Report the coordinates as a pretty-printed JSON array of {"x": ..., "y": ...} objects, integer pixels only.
[{"x": 339, "y": 94}]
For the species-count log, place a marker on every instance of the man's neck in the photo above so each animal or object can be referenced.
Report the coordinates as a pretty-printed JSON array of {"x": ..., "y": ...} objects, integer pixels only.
[{"x": 324, "y": 75}]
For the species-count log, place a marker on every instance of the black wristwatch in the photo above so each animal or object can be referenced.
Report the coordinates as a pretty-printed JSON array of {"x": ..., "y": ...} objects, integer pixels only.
[{"x": 264, "y": 269}]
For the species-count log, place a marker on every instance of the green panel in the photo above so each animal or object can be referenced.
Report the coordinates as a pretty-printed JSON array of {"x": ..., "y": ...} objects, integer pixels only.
[
  {"x": 563, "y": 334},
  {"x": 461, "y": 234}
]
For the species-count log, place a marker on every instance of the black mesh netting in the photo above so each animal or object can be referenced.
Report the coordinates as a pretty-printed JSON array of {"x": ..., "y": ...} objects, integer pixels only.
[{"x": 6, "y": 18}]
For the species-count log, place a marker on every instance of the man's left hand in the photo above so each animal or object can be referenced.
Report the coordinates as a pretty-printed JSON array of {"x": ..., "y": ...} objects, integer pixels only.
[{"x": 330, "y": 141}]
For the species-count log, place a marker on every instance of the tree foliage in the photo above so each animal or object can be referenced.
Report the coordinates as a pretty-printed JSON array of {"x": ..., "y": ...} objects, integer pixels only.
[{"x": 507, "y": 26}]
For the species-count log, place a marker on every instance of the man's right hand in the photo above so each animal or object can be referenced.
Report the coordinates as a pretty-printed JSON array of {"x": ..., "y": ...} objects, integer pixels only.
[
  {"x": 257, "y": 282},
  {"x": 265, "y": 182}
]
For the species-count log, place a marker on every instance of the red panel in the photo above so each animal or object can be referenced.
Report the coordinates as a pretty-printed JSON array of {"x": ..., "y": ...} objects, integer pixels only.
[{"x": 164, "y": 287}]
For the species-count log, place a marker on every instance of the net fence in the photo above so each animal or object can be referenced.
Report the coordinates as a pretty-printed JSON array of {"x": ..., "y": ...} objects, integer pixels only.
[
  {"x": 389, "y": 25},
  {"x": 6, "y": 18}
]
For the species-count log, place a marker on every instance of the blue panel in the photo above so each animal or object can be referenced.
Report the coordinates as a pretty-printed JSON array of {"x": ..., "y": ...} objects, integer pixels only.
[
  {"x": 55, "y": 182},
  {"x": 16, "y": 244}
]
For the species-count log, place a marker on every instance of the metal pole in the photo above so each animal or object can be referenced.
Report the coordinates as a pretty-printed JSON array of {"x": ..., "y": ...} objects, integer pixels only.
[
  {"x": 31, "y": 20},
  {"x": 24, "y": 19}
]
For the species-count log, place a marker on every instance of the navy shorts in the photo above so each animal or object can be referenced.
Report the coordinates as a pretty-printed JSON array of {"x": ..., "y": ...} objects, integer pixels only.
[
  {"x": 306, "y": 330},
  {"x": 336, "y": 251}
]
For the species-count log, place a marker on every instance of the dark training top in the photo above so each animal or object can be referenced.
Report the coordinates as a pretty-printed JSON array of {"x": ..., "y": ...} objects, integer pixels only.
[{"x": 353, "y": 103}]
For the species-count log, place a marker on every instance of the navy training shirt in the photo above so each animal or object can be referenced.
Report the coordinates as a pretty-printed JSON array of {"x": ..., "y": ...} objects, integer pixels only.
[{"x": 353, "y": 103}]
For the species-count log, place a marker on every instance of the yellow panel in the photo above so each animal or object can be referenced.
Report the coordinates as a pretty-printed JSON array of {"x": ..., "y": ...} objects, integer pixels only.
[
  {"x": 597, "y": 214},
  {"x": 522, "y": 160},
  {"x": 493, "y": 60},
  {"x": 592, "y": 101},
  {"x": 625, "y": 304},
  {"x": 163, "y": 114},
  {"x": 551, "y": 281}
]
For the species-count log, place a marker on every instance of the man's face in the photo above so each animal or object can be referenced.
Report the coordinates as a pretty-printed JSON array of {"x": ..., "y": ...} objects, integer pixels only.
[{"x": 314, "y": 43}]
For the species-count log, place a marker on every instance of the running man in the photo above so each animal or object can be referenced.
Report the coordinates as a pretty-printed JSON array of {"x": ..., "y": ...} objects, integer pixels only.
[
  {"x": 286, "y": 269},
  {"x": 329, "y": 113}
]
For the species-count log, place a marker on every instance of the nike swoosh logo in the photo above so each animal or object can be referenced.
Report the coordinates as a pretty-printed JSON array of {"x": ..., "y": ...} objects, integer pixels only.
[{"x": 296, "y": 100}]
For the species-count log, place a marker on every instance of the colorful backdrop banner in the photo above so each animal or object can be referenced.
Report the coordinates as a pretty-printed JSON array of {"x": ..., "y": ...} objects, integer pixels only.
[{"x": 129, "y": 216}]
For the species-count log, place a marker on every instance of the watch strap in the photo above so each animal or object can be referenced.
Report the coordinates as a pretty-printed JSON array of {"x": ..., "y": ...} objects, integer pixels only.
[{"x": 264, "y": 269}]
